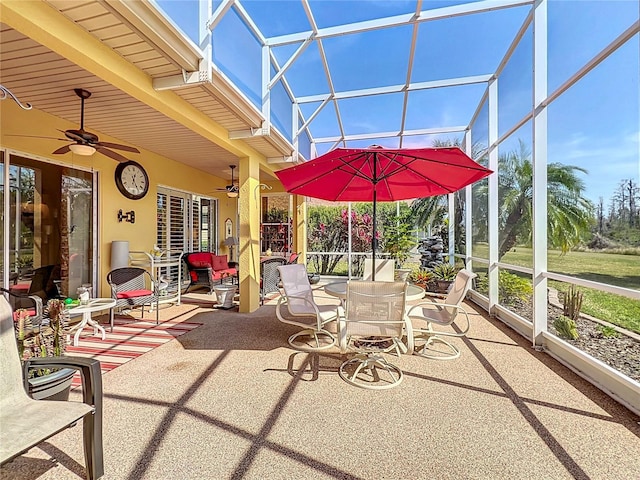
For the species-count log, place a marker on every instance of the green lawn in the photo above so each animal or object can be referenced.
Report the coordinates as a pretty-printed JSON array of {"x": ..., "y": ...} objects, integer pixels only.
[{"x": 609, "y": 268}]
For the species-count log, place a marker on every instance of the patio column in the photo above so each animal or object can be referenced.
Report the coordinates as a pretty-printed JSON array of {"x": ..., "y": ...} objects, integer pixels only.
[
  {"x": 540, "y": 174},
  {"x": 249, "y": 247},
  {"x": 300, "y": 227}
]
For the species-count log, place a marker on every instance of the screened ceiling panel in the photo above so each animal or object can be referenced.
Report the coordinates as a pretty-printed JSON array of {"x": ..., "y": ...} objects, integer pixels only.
[
  {"x": 353, "y": 67},
  {"x": 446, "y": 106},
  {"x": 391, "y": 68}
]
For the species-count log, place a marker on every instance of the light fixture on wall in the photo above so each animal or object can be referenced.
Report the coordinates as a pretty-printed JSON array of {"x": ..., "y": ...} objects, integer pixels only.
[
  {"x": 127, "y": 216},
  {"x": 80, "y": 149}
]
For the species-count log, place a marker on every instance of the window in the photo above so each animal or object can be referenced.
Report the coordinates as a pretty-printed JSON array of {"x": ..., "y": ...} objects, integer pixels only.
[{"x": 186, "y": 221}]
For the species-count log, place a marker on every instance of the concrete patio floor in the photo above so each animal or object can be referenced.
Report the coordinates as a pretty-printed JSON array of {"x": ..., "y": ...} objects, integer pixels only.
[{"x": 231, "y": 400}]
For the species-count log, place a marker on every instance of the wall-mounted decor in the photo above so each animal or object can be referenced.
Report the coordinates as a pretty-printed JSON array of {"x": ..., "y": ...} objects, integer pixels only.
[
  {"x": 132, "y": 180},
  {"x": 228, "y": 228}
]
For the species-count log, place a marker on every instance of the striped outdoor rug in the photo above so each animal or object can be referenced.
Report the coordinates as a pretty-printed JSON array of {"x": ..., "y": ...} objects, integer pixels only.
[{"x": 130, "y": 339}]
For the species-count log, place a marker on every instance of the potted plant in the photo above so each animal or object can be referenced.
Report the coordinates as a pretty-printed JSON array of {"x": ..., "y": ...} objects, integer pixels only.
[
  {"x": 156, "y": 253},
  {"x": 421, "y": 277},
  {"x": 444, "y": 274},
  {"x": 47, "y": 340}
]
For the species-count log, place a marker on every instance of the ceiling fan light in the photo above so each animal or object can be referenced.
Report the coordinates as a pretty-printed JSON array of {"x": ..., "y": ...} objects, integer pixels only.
[
  {"x": 232, "y": 193},
  {"x": 80, "y": 149}
]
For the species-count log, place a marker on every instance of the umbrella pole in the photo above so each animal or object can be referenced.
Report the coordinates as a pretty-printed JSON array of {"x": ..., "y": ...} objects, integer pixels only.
[{"x": 373, "y": 237}]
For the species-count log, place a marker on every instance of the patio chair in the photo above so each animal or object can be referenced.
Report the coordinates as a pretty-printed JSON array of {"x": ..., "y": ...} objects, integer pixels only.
[
  {"x": 385, "y": 270},
  {"x": 424, "y": 315},
  {"x": 42, "y": 283},
  {"x": 31, "y": 303},
  {"x": 303, "y": 311},
  {"x": 270, "y": 276},
  {"x": 27, "y": 422},
  {"x": 132, "y": 287},
  {"x": 372, "y": 325}
]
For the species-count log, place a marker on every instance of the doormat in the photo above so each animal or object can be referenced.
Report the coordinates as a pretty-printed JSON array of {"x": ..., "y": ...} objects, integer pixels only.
[{"x": 130, "y": 339}]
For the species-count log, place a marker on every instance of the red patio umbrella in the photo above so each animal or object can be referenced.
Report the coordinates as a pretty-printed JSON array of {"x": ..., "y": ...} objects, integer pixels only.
[{"x": 382, "y": 174}]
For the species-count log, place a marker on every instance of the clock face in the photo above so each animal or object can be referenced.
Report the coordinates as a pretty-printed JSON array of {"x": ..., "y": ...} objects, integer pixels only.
[{"x": 132, "y": 180}]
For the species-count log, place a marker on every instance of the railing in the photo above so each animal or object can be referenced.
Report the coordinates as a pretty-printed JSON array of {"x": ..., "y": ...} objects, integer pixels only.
[{"x": 349, "y": 264}]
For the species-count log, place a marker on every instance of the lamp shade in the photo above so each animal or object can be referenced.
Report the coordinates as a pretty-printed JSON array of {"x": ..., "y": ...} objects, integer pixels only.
[
  {"x": 231, "y": 241},
  {"x": 81, "y": 149},
  {"x": 119, "y": 254}
]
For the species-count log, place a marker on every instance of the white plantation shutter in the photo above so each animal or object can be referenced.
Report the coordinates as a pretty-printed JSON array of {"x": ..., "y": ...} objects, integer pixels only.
[{"x": 185, "y": 221}]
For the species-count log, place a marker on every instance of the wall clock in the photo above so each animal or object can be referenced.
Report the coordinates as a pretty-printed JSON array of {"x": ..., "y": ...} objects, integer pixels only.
[{"x": 132, "y": 180}]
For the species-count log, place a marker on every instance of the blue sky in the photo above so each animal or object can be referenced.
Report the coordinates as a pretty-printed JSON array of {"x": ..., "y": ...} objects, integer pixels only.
[{"x": 594, "y": 125}]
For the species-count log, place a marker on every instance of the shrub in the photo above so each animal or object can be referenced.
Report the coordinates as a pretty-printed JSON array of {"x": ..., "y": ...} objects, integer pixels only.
[
  {"x": 572, "y": 303},
  {"x": 445, "y": 271},
  {"x": 511, "y": 287},
  {"x": 607, "y": 331},
  {"x": 566, "y": 327}
]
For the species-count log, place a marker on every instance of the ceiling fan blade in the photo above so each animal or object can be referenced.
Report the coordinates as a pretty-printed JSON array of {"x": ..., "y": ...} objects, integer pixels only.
[
  {"x": 117, "y": 146},
  {"x": 71, "y": 135},
  {"x": 111, "y": 154},
  {"x": 62, "y": 150},
  {"x": 36, "y": 136}
]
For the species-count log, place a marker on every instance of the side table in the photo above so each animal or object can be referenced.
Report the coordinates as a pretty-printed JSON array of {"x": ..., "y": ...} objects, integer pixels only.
[{"x": 224, "y": 295}]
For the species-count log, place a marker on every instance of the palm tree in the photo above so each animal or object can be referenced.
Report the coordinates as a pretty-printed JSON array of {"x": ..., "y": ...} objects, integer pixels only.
[
  {"x": 434, "y": 210},
  {"x": 569, "y": 214}
]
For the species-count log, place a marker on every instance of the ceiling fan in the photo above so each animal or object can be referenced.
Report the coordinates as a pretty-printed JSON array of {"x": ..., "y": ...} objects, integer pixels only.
[
  {"x": 87, "y": 143},
  {"x": 233, "y": 189}
]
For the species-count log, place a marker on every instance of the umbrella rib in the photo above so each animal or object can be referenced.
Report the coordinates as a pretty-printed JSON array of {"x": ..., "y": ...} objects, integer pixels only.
[{"x": 414, "y": 159}]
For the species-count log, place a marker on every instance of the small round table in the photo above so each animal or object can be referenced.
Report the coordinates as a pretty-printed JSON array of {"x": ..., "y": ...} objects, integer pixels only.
[
  {"x": 339, "y": 290},
  {"x": 94, "y": 305}
]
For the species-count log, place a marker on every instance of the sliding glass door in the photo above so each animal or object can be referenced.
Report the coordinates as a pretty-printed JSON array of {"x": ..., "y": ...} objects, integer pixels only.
[{"x": 47, "y": 236}]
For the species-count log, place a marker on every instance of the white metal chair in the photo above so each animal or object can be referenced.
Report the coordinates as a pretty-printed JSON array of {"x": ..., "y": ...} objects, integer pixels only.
[
  {"x": 385, "y": 270},
  {"x": 303, "y": 311},
  {"x": 424, "y": 315},
  {"x": 27, "y": 422},
  {"x": 372, "y": 325}
]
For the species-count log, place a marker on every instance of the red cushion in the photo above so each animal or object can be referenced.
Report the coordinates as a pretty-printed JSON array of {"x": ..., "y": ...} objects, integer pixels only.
[
  {"x": 20, "y": 288},
  {"x": 219, "y": 262},
  {"x": 30, "y": 311},
  {"x": 134, "y": 294},
  {"x": 201, "y": 264},
  {"x": 194, "y": 276},
  {"x": 200, "y": 259}
]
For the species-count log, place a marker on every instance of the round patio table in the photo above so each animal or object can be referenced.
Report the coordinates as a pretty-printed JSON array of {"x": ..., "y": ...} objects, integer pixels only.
[
  {"x": 339, "y": 290},
  {"x": 94, "y": 305}
]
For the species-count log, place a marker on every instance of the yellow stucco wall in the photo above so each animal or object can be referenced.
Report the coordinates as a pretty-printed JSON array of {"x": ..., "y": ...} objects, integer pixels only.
[{"x": 162, "y": 171}]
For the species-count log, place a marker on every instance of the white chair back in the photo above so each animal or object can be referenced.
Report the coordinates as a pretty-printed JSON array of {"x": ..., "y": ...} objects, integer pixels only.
[
  {"x": 375, "y": 308},
  {"x": 297, "y": 288},
  {"x": 11, "y": 383},
  {"x": 458, "y": 291},
  {"x": 385, "y": 270}
]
